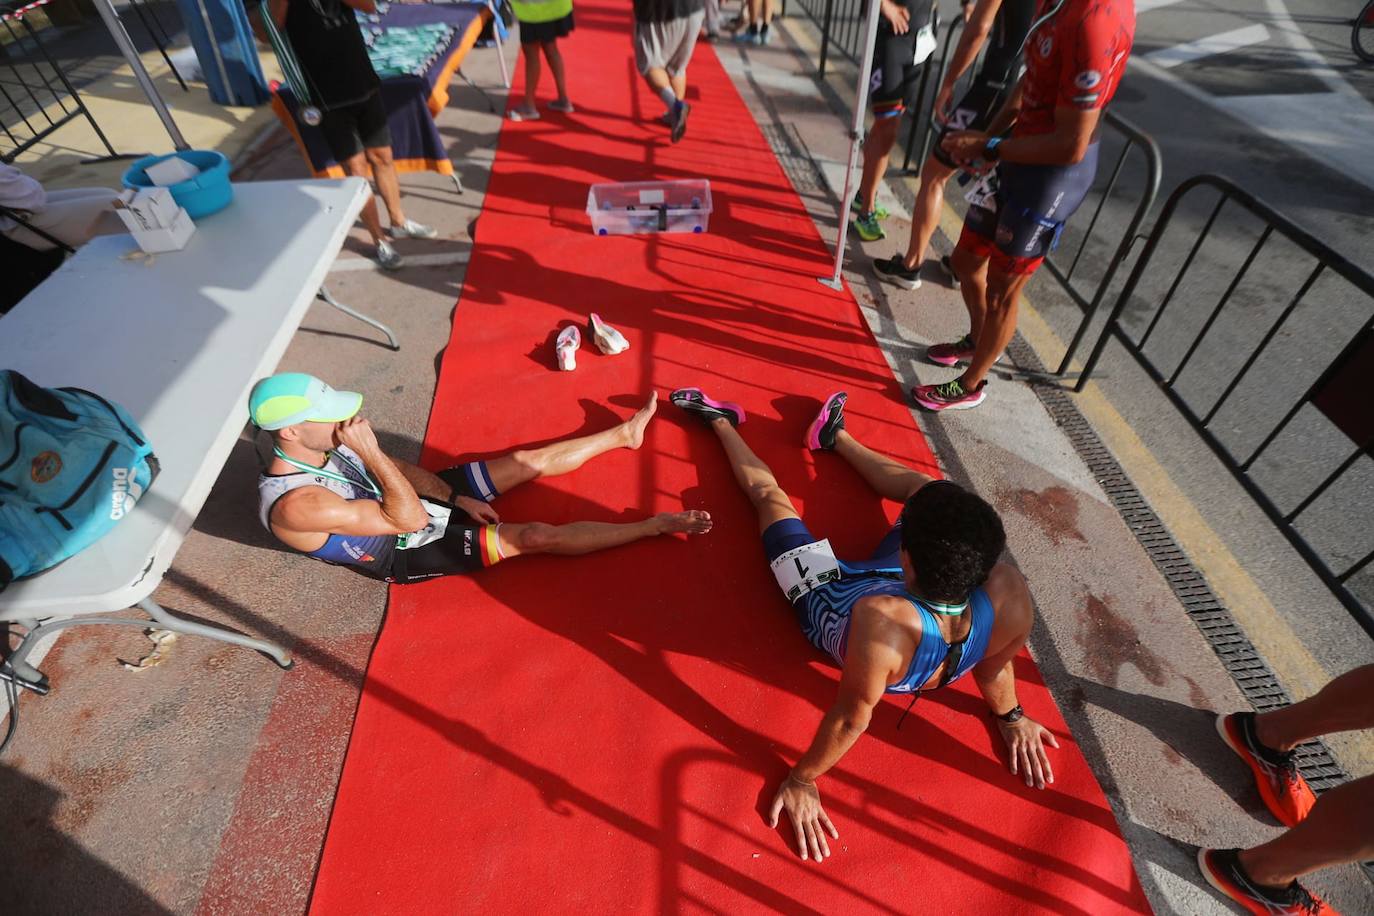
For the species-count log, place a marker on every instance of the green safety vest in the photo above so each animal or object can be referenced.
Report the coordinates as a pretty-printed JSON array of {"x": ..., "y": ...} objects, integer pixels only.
[{"x": 541, "y": 10}]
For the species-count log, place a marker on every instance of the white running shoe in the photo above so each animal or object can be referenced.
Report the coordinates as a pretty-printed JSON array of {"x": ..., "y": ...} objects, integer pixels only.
[
  {"x": 569, "y": 339},
  {"x": 388, "y": 257},
  {"x": 412, "y": 230},
  {"x": 608, "y": 339}
]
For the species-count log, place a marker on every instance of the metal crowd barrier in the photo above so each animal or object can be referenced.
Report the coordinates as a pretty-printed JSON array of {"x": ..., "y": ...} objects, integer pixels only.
[
  {"x": 1341, "y": 392},
  {"x": 841, "y": 24}
]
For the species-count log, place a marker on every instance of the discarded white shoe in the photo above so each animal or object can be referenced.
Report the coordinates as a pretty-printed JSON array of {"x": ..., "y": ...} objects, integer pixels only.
[
  {"x": 569, "y": 339},
  {"x": 608, "y": 339}
]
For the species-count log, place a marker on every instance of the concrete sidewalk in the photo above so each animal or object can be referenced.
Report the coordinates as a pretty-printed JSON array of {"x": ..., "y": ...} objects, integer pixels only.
[{"x": 205, "y": 784}]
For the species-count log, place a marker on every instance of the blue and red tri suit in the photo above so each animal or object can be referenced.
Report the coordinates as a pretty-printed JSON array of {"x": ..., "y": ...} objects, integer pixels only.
[{"x": 1075, "y": 58}]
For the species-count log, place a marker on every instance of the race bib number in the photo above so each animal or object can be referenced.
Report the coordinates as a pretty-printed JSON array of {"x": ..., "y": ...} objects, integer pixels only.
[
  {"x": 437, "y": 527},
  {"x": 806, "y": 568},
  {"x": 984, "y": 192}
]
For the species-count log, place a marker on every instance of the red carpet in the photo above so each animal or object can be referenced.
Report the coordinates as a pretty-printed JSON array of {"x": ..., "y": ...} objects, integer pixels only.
[{"x": 599, "y": 735}]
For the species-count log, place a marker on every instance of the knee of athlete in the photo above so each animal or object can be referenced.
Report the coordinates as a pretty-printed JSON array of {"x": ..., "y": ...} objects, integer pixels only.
[
  {"x": 529, "y": 462},
  {"x": 379, "y": 155},
  {"x": 356, "y": 165},
  {"x": 1002, "y": 290},
  {"x": 760, "y": 494},
  {"x": 537, "y": 537},
  {"x": 965, "y": 264}
]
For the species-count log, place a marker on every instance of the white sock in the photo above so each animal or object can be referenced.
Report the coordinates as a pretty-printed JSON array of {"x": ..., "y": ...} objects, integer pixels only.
[{"x": 668, "y": 96}]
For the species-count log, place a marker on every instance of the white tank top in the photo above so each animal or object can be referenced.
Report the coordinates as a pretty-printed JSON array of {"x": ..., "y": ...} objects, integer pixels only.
[{"x": 272, "y": 488}]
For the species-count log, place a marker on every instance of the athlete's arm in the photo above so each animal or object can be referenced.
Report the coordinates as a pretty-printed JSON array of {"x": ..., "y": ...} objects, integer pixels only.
[
  {"x": 869, "y": 664},
  {"x": 996, "y": 678},
  {"x": 433, "y": 487},
  {"x": 1073, "y": 133},
  {"x": 365, "y": 6},
  {"x": 977, "y": 27},
  {"x": 966, "y": 146},
  {"x": 316, "y": 509}
]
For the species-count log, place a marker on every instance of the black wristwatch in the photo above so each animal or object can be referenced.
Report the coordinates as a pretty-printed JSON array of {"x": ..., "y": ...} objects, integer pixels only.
[{"x": 1011, "y": 716}]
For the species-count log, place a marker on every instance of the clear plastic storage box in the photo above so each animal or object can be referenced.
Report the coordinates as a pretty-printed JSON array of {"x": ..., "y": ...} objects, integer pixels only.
[{"x": 650, "y": 206}]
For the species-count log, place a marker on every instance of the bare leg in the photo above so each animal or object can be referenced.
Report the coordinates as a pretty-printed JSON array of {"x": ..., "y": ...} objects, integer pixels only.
[
  {"x": 999, "y": 324},
  {"x": 1341, "y": 706},
  {"x": 519, "y": 467},
  {"x": 388, "y": 186},
  {"x": 877, "y": 150},
  {"x": 972, "y": 272},
  {"x": 754, "y": 477},
  {"x": 555, "y": 58},
  {"x": 926, "y": 217},
  {"x": 679, "y": 83},
  {"x": 657, "y": 78},
  {"x": 588, "y": 537},
  {"x": 1339, "y": 830},
  {"x": 531, "y": 55},
  {"x": 357, "y": 165},
  {"x": 890, "y": 479}
]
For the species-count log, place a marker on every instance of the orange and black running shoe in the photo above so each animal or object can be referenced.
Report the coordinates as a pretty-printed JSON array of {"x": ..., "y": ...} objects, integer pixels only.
[
  {"x": 1285, "y": 792},
  {"x": 1222, "y": 869}
]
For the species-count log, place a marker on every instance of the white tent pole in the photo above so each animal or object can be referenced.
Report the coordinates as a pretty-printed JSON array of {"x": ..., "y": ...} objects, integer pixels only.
[
  {"x": 856, "y": 134},
  {"x": 145, "y": 82},
  {"x": 500, "y": 48}
]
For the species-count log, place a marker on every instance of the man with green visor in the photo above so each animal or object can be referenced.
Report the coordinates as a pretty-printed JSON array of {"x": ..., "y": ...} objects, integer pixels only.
[{"x": 331, "y": 493}]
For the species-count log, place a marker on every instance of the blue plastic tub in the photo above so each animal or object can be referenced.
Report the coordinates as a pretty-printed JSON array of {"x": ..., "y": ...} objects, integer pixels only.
[{"x": 209, "y": 192}]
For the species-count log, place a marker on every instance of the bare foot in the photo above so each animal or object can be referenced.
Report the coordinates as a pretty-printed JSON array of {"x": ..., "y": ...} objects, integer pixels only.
[
  {"x": 693, "y": 521},
  {"x": 634, "y": 427}
]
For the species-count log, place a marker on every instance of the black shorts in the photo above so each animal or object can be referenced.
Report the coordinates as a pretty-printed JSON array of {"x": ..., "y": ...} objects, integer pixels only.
[
  {"x": 974, "y": 111},
  {"x": 464, "y": 548},
  {"x": 892, "y": 88},
  {"x": 1032, "y": 204},
  {"x": 350, "y": 129}
]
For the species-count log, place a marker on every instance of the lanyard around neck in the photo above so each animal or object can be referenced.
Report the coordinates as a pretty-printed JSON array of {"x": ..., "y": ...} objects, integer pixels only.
[
  {"x": 366, "y": 483},
  {"x": 947, "y": 610}
]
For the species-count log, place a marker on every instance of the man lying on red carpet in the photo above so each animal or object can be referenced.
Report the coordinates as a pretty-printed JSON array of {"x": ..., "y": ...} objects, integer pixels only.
[
  {"x": 332, "y": 493},
  {"x": 930, "y": 605}
]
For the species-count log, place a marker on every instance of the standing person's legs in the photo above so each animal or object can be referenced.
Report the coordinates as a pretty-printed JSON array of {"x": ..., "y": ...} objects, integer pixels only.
[
  {"x": 926, "y": 213},
  {"x": 486, "y": 480},
  {"x": 998, "y": 324},
  {"x": 530, "y": 51},
  {"x": 555, "y": 59},
  {"x": 712, "y": 19},
  {"x": 357, "y": 165},
  {"x": 388, "y": 185},
  {"x": 1345, "y": 704},
  {"x": 74, "y": 215},
  {"x": 877, "y": 151}
]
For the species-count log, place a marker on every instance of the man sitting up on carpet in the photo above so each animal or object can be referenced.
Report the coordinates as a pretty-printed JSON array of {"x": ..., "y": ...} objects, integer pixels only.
[
  {"x": 332, "y": 493},
  {"x": 931, "y": 604}
]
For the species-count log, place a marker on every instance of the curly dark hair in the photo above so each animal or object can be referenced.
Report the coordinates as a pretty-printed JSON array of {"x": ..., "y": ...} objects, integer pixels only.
[{"x": 952, "y": 538}]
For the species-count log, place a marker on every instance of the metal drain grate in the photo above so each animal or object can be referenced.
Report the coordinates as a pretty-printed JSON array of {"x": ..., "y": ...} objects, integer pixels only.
[
  {"x": 796, "y": 162},
  {"x": 1250, "y": 672}
]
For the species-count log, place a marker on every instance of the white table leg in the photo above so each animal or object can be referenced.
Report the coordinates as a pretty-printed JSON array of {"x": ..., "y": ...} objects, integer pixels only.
[
  {"x": 27, "y": 675},
  {"x": 326, "y": 296},
  {"x": 169, "y": 621}
]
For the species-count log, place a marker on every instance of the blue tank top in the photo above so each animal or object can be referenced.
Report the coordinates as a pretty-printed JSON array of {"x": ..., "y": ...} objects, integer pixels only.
[{"x": 866, "y": 579}]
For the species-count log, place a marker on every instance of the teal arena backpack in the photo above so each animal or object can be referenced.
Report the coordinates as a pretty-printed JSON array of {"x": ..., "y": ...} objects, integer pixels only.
[{"x": 72, "y": 465}]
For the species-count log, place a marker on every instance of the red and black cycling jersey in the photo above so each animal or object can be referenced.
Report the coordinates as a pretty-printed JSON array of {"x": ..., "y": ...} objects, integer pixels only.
[{"x": 1074, "y": 59}]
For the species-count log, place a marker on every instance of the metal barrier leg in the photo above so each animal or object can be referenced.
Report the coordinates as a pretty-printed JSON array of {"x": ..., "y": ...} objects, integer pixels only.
[
  {"x": 325, "y": 295},
  {"x": 500, "y": 46}
]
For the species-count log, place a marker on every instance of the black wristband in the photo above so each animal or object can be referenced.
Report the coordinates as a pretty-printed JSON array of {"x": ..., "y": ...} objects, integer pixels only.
[{"x": 1011, "y": 716}]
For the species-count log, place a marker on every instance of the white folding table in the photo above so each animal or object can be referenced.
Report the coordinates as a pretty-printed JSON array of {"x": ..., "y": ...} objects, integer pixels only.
[{"x": 178, "y": 341}]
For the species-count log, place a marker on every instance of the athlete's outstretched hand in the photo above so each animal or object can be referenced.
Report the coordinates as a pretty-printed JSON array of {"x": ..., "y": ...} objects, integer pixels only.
[
  {"x": 803, "y": 804},
  {"x": 944, "y": 103},
  {"x": 477, "y": 510},
  {"x": 1026, "y": 740}
]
